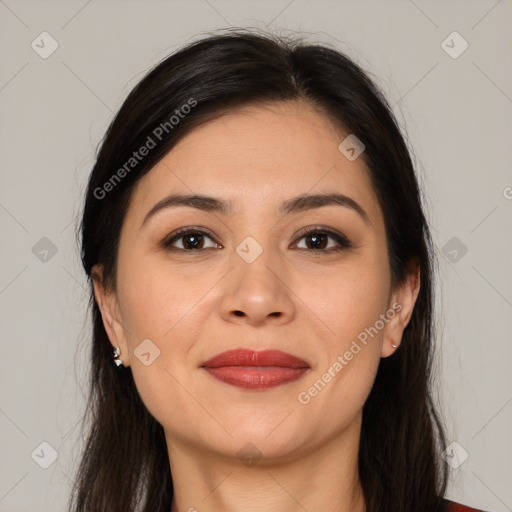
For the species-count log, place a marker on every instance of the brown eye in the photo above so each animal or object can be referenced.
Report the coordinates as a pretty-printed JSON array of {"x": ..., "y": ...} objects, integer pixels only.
[
  {"x": 317, "y": 239},
  {"x": 191, "y": 240}
]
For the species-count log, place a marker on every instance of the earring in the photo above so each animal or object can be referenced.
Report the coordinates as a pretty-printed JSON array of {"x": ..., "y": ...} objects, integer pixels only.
[
  {"x": 117, "y": 360},
  {"x": 393, "y": 345}
]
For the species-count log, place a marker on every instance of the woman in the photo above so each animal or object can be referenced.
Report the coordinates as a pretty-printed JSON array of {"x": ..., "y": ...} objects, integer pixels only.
[{"x": 262, "y": 292}]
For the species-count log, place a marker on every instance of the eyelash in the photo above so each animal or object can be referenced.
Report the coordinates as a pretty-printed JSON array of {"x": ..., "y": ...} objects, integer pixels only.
[{"x": 344, "y": 243}]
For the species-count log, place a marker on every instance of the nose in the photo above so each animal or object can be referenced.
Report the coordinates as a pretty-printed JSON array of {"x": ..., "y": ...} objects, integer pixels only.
[{"x": 255, "y": 294}]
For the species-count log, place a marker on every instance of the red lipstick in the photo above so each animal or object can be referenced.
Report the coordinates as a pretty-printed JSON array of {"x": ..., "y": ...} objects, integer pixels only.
[{"x": 248, "y": 369}]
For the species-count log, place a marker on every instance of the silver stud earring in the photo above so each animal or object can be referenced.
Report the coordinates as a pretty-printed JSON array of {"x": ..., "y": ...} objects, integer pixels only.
[
  {"x": 117, "y": 360},
  {"x": 393, "y": 345}
]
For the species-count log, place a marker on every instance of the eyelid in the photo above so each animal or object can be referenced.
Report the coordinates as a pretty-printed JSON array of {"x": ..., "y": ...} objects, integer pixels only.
[
  {"x": 332, "y": 233},
  {"x": 186, "y": 230},
  {"x": 341, "y": 239}
]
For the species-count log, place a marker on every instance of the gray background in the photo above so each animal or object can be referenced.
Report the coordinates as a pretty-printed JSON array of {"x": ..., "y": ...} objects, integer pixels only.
[{"x": 54, "y": 112}]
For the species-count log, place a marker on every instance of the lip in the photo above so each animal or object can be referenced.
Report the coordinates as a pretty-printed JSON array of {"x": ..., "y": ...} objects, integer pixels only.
[{"x": 249, "y": 369}]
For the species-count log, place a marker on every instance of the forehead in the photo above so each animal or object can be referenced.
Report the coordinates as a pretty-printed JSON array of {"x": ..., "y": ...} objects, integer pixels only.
[{"x": 258, "y": 156}]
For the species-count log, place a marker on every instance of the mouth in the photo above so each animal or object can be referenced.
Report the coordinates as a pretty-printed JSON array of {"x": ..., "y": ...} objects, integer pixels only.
[{"x": 248, "y": 369}]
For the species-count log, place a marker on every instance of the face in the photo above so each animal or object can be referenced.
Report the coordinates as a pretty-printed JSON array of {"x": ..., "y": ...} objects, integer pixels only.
[{"x": 196, "y": 281}]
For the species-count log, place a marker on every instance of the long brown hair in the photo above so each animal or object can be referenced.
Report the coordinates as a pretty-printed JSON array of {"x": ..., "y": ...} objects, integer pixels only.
[{"x": 125, "y": 464}]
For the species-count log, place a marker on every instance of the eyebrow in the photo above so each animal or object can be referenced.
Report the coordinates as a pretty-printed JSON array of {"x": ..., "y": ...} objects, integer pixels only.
[{"x": 296, "y": 204}]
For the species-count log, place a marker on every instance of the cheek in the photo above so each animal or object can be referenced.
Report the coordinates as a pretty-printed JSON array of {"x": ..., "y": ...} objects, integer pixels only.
[
  {"x": 339, "y": 389},
  {"x": 160, "y": 389},
  {"x": 349, "y": 299},
  {"x": 165, "y": 308},
  {"x": 158, "y": 302}
]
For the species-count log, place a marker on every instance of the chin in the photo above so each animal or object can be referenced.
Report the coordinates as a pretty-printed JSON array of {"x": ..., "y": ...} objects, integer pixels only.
[{"x": 269, "y": 437}]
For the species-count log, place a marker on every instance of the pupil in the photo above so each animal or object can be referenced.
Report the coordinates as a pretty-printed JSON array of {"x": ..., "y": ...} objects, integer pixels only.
[
  {"x": 316, "y": 239},
  {"x": 195, "y": 243}
]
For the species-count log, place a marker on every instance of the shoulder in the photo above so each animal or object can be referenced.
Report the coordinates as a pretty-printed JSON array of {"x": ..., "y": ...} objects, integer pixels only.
[{"x": 451, "y": 506}]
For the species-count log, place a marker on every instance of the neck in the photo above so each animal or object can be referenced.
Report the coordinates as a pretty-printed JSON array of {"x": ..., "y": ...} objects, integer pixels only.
[{"x": 325, "y": 478}]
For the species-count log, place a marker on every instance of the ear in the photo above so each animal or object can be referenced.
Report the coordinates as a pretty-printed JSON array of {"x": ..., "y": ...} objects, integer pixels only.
[
  {"x": 400, "y": 309},
  {"x": 109, "y": 308}
]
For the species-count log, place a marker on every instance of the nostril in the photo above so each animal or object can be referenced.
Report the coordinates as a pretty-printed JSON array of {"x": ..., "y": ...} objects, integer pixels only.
[{"x": 239, "y": 313}]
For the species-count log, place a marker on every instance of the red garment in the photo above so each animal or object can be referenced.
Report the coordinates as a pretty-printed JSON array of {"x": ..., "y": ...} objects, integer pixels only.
[{"x": 456, "y": 507}]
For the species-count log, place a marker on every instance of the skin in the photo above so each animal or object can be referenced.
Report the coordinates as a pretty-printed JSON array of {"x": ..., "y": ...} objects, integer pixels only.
[{"x": 310, "y": 305}]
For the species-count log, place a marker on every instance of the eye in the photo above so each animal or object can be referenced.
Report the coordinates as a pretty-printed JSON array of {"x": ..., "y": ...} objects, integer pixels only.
[
  {"x": 191, "y": 239},
  {"x": 318, "y": 237}
]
